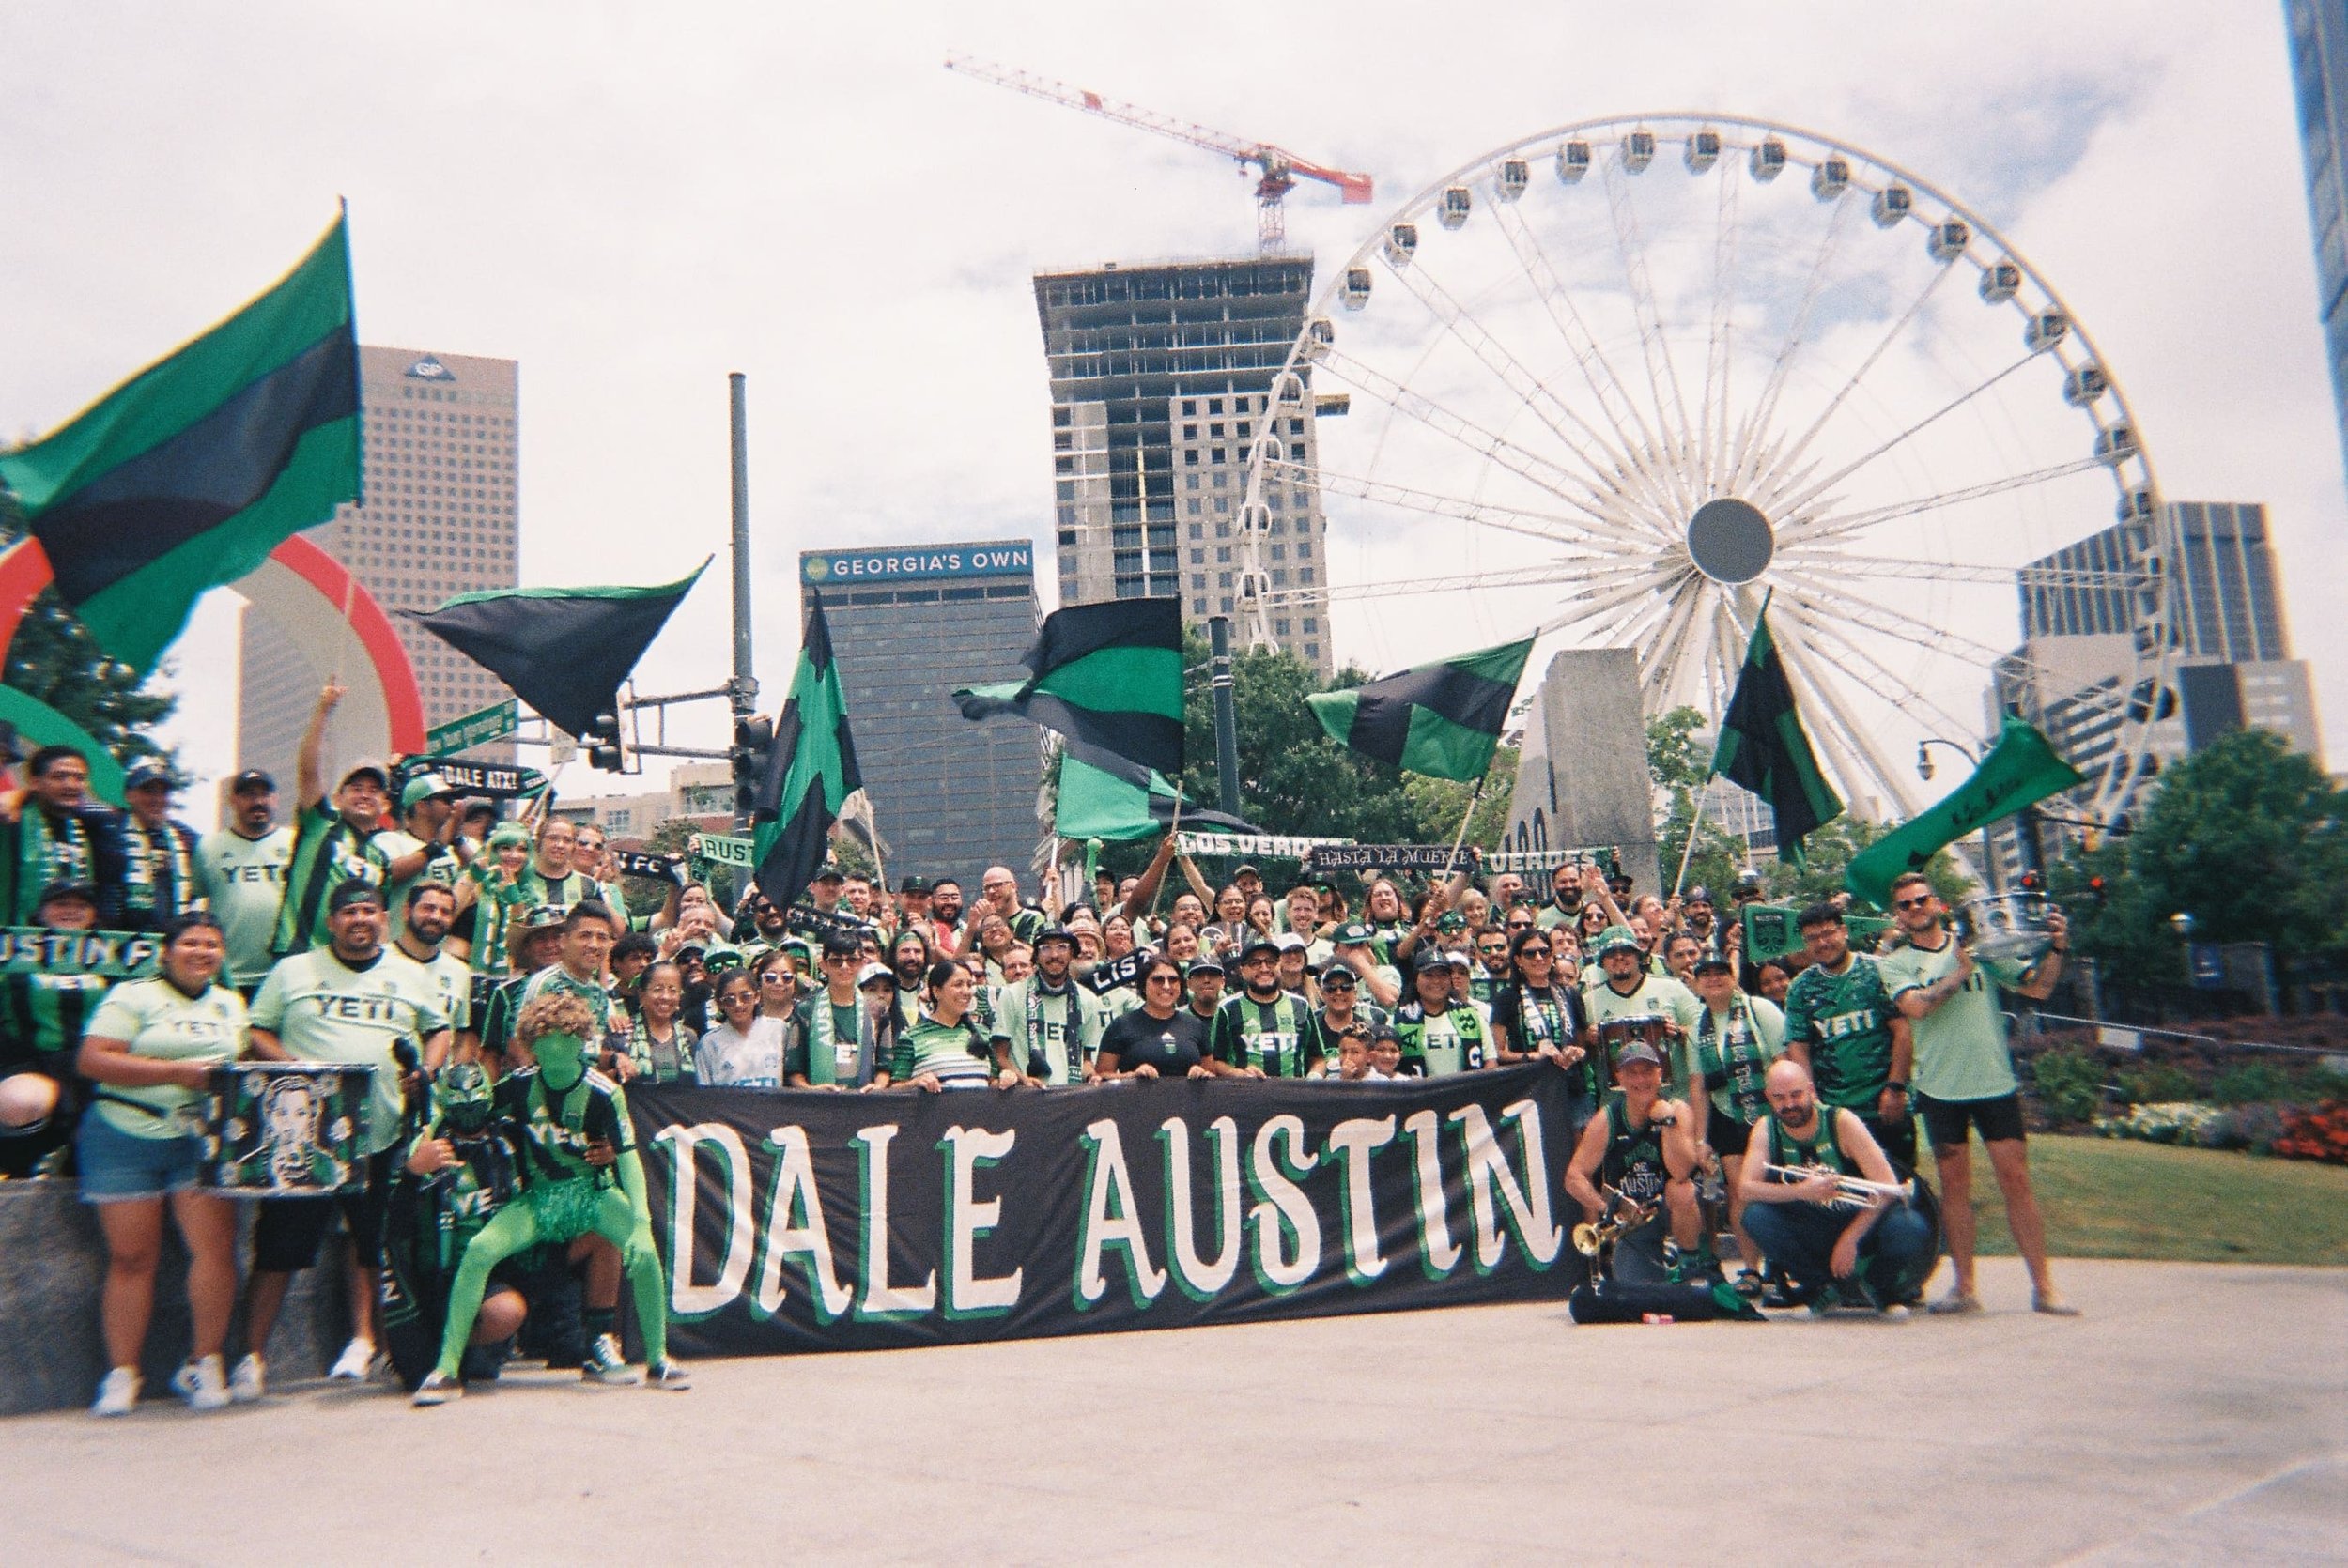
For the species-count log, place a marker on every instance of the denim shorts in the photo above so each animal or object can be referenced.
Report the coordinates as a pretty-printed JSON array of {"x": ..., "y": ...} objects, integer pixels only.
[{"x": 118, "y": 1167}]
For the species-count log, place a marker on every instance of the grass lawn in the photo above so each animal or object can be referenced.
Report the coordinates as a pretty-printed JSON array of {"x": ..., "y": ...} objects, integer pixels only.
[{"x": 2108, "y": 1197}]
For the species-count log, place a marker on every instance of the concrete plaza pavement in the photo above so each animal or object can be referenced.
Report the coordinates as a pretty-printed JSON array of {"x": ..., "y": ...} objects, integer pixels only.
[{"x": 2197, "y": 1413}]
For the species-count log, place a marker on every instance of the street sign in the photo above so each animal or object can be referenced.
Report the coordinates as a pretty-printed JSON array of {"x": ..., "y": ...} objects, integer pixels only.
[{"x": 478, "y": 728}]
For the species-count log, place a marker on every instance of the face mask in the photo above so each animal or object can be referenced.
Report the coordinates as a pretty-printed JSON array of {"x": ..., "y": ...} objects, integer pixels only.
[
  {"x": 562, "y": 1061},
  {"x": 463, "y": 1094}
]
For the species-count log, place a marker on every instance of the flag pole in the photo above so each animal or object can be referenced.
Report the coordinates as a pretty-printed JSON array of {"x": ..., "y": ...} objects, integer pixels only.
[
  {"x": 1476, "y": 798},
  {"x": 1695, "y": 821}
]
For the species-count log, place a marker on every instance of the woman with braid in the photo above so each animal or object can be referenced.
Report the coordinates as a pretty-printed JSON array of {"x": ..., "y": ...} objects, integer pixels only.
[{"x": 579, "y": 1175}]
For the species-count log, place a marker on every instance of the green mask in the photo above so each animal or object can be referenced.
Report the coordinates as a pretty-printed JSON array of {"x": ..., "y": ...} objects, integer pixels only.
[
  {"x": 463, "y": 1096},
  {"x": 562, "y": 1061}
]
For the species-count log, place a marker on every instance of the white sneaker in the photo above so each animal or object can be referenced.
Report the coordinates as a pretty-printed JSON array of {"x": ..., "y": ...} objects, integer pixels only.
[
  {"x": 202, "y": 1384},
  {"x": 118, "y": 1395},
  {"x": 436, "y": 1389},
  {"x": 248, "y": 1380},
  {"x": 352, "y": 1364},
  {"x": 668, "y": 1376},
  {"x": 607, "y": 1363}
]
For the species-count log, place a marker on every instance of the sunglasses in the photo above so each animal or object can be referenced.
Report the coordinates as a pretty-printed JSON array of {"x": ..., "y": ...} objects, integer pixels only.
[
  {"x": 1532, "y": 952},
  {"x": 1912, "y": 903},
  {"x": 1336, "y": 983}
]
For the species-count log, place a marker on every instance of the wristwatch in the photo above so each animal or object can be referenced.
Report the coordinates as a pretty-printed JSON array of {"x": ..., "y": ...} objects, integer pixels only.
[{"x": 1896, "y": 1083}]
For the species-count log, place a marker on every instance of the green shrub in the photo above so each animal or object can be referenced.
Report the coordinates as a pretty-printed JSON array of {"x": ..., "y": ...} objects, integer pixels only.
[
  {"x": 2070, "y": 1085},
  {"x": 2157, "y": 1083},
  {"x": 2250, "y": 1083}
]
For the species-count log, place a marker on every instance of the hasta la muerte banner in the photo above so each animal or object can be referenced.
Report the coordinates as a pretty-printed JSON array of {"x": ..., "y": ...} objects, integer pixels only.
[{"x": 806, "y": 1220}]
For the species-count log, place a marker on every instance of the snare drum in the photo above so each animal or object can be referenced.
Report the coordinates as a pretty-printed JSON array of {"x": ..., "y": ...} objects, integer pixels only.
[
  {"x": 283, "y": 1130},
  {"x": 2008, "y": 934}
]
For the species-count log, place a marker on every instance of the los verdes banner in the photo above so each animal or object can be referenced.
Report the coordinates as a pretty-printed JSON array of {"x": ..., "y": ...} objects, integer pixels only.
[{"x": 807, "y": 1221}]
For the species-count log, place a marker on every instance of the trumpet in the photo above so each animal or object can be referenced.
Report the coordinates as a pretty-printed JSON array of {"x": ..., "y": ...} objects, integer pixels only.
[
  {"x": 1620, "y": 1217},
  {"x": 1850, "y": 1191}
]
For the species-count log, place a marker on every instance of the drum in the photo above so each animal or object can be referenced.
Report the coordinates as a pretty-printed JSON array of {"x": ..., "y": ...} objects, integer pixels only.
[
  {"x": 1654, "y": 1028},
  {"x": 2008, "y": 934},
  {"x": 283, "y": 1130}
]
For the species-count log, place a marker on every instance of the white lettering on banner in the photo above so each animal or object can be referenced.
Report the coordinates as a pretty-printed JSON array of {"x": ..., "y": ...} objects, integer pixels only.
[
  {"x": 1537, "y": 1235},
  {"x": 1112, "y": 1218},
  {"x": 1199, "y": 1279},
  {"x": 1438, "y": 1253},
  {"x": 881, "y": 1299},
  {"x": 1353, "y": 1142},
  {"x": 795, "y": 1232},
  {"x": 966, "y": 1294},
  {"x": 1282, "y": 1212},
  {"x": 685, "y": 1299}
]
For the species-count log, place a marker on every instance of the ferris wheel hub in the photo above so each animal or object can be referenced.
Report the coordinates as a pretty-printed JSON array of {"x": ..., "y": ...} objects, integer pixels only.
[{"x": 1730, "y": 541}]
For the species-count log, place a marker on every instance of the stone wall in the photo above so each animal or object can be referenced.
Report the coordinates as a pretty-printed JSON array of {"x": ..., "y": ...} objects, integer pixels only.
[{"x": 52, "y": 1262}]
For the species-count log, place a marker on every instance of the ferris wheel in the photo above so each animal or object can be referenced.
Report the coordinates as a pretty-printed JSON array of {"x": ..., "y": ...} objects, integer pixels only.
[{"x": 1630, "y": 378}]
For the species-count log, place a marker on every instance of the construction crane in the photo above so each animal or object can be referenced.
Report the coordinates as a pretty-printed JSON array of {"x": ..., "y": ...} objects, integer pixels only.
[{"x": 1276, "y": 170}]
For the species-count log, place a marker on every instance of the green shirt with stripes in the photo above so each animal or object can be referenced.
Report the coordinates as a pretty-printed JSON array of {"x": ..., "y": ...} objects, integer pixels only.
[{"x": 327, "y": 851}]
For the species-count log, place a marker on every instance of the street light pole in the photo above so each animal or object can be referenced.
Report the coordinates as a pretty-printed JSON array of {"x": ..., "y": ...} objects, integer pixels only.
[
  {"x": 742, "y": 691},
  {"x": 1924, "y": 771}
]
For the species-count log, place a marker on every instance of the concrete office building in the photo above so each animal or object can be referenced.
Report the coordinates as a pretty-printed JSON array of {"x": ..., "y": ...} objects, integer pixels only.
[
  {"x": 439, "y": 516},
  {"x": 1160, "y": 374},
  {"x": 909, "y": 624},
  {"x": 2317, "y": 31}
]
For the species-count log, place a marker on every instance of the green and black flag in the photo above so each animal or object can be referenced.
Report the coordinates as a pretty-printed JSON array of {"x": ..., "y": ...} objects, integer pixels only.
[
  {"x": 1102, "y": 795},
  {"x": 2021, "y": 770},
  {"x": 564, "y": 651},
  {"x": 811, "y": 773},
  {"x": 187, "y": 475},
  {"x": 1441, "y": 719},
  {"x": 1109, "y": 675},
  {"x": 1762, "y": 747}
]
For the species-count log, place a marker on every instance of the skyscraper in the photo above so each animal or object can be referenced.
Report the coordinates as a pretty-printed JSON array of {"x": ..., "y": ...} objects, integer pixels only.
[
  {"x": 439, "y": 516},
  {"x": 909, "y": 624},
  {"x": 1160, "y": 376},
  {"x": 2318, "y": 35}
]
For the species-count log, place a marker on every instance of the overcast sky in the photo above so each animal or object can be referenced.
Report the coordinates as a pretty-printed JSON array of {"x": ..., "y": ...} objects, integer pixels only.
[{"x": 633, "y": 201}]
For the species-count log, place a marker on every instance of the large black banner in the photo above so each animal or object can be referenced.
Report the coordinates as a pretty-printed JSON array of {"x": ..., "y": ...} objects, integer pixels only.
[{"x": 812, "y": 1221}]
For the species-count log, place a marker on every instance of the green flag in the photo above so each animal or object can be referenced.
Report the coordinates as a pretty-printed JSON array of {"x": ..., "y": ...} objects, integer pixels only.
[
  {"x": 1102, "y": 795},
  {"x": 814, "y": 770},
  {"x": 1443, "y": 720},
  {"x": 1762, "y": 747},
  {"x": 187, "y": 475},
  {"x": 1108, "y": 674},
  {"x": 2022, "y": 769}
]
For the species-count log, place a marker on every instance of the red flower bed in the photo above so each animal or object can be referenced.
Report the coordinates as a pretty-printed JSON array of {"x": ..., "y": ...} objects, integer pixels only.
[{"x": 2320, "y": 1133}]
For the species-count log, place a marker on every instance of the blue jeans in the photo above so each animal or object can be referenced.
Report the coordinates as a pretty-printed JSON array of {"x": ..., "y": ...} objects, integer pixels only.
[{"x": 1799, "y": 1237}]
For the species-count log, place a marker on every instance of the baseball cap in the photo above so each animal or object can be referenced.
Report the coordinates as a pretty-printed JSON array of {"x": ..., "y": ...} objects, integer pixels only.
[
  {"x": 1339, "y": 972},
  {"x": 1712, "y": 962},
  {"x": 1613, "y": 937},
  {"x": 423, "y": 787},
  {"x": 1247, "y": 870},
  {"x": 1205, "y": 963},
  {"x": 1637, "y": 1050},
  {"x": 1459, "y": 960},
  {"x": 358, "y": 892},
  {"x": 913, "y": 884},
  {"x": 1354, "y": 933},
  {"x": 1258, "y": 944},
  {"x": 144, "y": 774},
  {"x": 1289, "y": 942},
  {"x": 829, "y": 873},
  {"x": 82, "y": 890},
  {"x": 251, "y": 779},
  {"x": 368, "y": 769},
  {"x": 1698, "y": 895},
  {"x": 871, "y": 972},
  {"x": 1429, "y": 960},
  {"x": 1053, "y": 933}
]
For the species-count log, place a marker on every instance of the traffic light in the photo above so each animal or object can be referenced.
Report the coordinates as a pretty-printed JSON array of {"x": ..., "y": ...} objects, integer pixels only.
[
  {"x": 753, "y": 745},
  {"x": 604, "y": 748}
]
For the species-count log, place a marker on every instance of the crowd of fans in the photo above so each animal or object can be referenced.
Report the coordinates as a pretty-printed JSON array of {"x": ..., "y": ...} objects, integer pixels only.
[{"x": 391, "y": 925}]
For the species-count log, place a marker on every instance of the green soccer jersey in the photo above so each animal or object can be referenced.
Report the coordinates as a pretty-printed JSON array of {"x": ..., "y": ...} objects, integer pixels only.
[
  {"x": 556, "y": 980},
  {"x": 43, "y": 1017},
  {"x": 449, "y": 974},
  {"x": 1062, "y": 1028},
  {"x": 327, "y": 851},
  {"x": 1846, "y": 1019},
  {"x": 440, "y": 866},
  {"x": 156, "y": 1019},
  {"x": 1960, "y": 1045},
  {"x": 1455, "y": 1040},
  {"x": 950, "y": 1053},
  {"x": 828, "y": 1045},
  {"x": 1280, "y": 1036},
  {"x": 245, "y": 882},
  {"x": 322, "y": 1011}
]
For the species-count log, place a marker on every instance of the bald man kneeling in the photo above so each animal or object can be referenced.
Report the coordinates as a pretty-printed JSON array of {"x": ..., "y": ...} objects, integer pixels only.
[{"x": 1877, "y": 1249}]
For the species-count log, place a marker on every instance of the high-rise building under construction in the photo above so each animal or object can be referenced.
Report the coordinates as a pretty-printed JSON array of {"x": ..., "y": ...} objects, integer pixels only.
[{"x": 1161, "y": 375}]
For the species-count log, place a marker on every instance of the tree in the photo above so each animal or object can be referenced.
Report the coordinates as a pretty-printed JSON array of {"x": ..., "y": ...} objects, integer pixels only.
[
  {"x": 1441, "y": 802},
  {"x": 2248, "y": 838},
  {"x": 1681, "y": 765},
  {"x": 54, "y": 660}
]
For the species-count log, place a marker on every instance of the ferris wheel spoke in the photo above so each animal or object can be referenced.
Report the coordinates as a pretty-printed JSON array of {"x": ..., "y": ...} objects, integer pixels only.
[
  {"x": 1602, "y": 509},
  {"x": 1525, "y": 576},
  {"x": 1850, "y": 651},
  {"x": 1810, "y": 527},
  {"x": 1589, "y": 606},
  {"x": 1863, "y": 765},
  {"x": 1809, "y": 557},
  {"x": 1663, "y": 376},
  {"x": 1891, "y": 334},
  {"x": 1552, "y": 526},
  {"x": 1679, "y": 628},
  {"x": 1462, "y": 324},
  {"x": 1607, "y": 388},
  {"x": 1713, "y": 436},
  {"x": 1786, "y": 505},
  {"x": 1812, "y": 592},
  {"x": 1750, "y": 435}
]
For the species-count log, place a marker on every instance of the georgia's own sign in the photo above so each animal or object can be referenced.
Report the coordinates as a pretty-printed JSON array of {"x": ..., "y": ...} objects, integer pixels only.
[{"x": 809, "y": 1220}]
